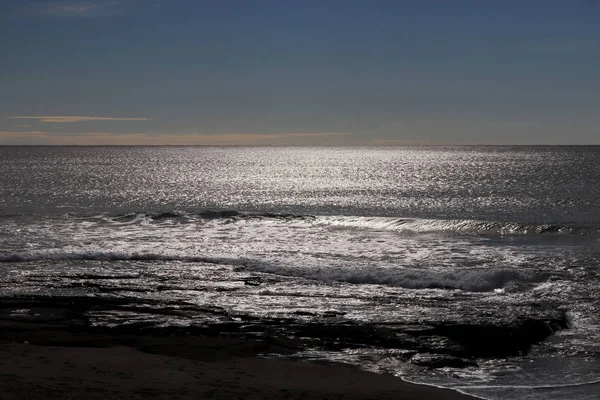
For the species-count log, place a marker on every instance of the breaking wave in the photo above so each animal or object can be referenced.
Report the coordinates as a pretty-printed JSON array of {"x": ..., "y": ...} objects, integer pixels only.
[
  {"x": 467, "y": 279},
  {"x": 465, "y": 226},
  {"x": 472, "y": 280},
  {"x": 408, "y": 225}
]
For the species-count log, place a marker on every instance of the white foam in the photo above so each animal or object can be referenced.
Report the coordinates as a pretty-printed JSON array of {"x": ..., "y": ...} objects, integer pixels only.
[
  {"x": 523, "y": 378},
  {"x": 474, "y": 280},
  {"x": 420, "y": 225},
  {"x": 108, "y": 256},
  {"x": 468, "y": 279}
]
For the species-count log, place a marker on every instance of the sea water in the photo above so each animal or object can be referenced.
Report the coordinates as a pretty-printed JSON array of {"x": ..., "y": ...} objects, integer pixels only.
[{"x": 367, "y": 234}]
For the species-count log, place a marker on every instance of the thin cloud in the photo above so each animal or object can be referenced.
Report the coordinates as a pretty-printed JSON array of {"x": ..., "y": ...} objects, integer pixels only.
[
  {"x": 400, "y": 142},
  {"x": 22, "y": 137},
  {"x": 17, "y": 133},
  {"x": 61, "y": 119},
  {"x": 77, "y": 8},
  {"x": 102, "y": 138}
]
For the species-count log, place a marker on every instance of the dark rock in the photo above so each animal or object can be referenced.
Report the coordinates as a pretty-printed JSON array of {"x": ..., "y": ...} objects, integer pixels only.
[
  {"x": 218, "y": 214},
  {"x": 512, "y": 337},
  {"x": 166, "y": 215},
  {"x": 454, "y": 334},
  {"x": 229, "y": 214},
  {"x": 440, "y": 361}
]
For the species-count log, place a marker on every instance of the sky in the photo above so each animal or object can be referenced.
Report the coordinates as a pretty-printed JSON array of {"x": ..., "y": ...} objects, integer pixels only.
[{"x": 299, "y": 72}]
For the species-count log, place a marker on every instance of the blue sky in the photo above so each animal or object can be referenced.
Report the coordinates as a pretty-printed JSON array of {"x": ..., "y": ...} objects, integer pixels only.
[{"x": 299, "y": 72}]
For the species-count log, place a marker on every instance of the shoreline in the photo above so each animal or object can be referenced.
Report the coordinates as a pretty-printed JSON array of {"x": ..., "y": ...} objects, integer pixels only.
[
  {"x": 51, "y": 349},
  {"x": 122, "y": 372},
  {"x": 51, "y": 353}
]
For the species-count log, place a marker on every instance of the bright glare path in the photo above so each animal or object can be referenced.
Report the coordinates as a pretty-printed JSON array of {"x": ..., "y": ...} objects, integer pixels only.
[{"x": 357, "y": 235}]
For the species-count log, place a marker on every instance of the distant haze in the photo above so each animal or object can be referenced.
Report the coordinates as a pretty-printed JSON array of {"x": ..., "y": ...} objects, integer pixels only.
[{"x": 310, "y": 72}]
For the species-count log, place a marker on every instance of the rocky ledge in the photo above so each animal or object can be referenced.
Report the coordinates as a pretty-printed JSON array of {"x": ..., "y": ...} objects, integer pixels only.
[{"x": 434, "y": 342}]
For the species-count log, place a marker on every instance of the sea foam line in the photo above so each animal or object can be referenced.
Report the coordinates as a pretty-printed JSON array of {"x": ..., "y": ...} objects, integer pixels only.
[
  {"x": 399, "y": 224},
  {"x": 467, "y": 279}
]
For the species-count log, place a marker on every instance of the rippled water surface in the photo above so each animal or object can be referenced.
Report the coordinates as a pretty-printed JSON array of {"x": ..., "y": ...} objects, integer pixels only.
[
  {"x": 493, "y": 183},
  {"x": 370, "y": 235}
]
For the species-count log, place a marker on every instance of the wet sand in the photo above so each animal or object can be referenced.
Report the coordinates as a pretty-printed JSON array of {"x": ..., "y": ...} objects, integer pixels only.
[
  {"x": 29, "y": 371},
  {"x": 51, "y": 351}
]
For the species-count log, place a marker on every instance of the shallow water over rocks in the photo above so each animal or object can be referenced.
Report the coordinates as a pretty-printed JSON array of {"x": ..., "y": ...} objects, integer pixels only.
[{"x": 512, "y": 334}]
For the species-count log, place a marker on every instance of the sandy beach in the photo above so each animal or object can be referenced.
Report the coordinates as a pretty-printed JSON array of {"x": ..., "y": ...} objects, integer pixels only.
[{"x": 175, "y": 368}]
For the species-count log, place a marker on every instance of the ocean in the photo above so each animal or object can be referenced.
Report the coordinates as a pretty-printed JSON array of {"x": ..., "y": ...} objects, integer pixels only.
[{"x": 483, "y": 260}]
